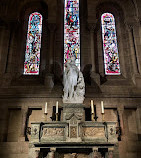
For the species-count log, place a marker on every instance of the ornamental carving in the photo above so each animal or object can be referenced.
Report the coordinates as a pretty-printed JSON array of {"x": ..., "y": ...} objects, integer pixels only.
[
  {"x": 73, "y": 132},
  {"x": 93, "y": 132},
  {"x": 35, "y": 131},
  {"x": 53, "y": 132},
  {"x": 112, "y": 130}
]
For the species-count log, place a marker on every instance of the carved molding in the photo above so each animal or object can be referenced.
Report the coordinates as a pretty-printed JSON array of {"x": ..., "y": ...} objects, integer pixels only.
[{"x": 77, "y": 115}]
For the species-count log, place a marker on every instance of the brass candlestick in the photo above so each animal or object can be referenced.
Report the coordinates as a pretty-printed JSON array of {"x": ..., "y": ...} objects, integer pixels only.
[
  {"x": 92, "y": 116},
  {"x": 45, "y": 116},
  {"x": 57, "y": 116},
  {"x": 103, "y": 117}
]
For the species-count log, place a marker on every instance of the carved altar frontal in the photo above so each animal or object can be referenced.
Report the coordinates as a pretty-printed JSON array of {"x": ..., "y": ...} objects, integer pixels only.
[{"x": 73, "y": 129}]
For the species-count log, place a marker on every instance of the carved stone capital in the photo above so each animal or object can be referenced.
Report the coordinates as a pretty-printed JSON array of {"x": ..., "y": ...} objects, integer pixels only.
[
  {"x": 52, "y": 27},
  {"x": 52, "y": 149},
  {"x": 91, "y": 27},
  {"x": 37, "y": 152},
  {"x": 95, "y": 152}
]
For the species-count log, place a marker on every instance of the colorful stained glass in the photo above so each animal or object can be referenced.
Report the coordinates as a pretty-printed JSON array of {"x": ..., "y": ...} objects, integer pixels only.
[
  {"x": 71, "y": 31},
  {"x": 33, "y": 44},
  {"x": 111, "y": 58}
]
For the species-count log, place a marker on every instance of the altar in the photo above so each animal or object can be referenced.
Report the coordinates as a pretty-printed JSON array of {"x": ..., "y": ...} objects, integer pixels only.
[{"x": 73, "y": 133}]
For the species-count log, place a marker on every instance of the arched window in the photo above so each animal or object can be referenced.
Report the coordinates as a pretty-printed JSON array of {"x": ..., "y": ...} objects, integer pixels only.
[
  {"x": 33, "y": 44},
  {"x": 72, "y": 31},
  {"x": 111, "y": 57}
]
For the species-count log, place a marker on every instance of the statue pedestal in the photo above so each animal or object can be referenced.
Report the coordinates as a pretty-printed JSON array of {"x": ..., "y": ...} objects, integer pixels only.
[{"x": 73, "y": 114}]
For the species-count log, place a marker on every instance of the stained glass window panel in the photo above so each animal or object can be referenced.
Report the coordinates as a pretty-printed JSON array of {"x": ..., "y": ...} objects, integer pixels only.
[
  {"x": 71, "y": 31},
  {"x": 111, "y": 57},
  {"x": 33, "y": 44}
]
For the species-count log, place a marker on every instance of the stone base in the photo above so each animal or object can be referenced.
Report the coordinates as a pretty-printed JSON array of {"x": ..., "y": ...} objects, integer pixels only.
[{"x": 78, "y": 100}]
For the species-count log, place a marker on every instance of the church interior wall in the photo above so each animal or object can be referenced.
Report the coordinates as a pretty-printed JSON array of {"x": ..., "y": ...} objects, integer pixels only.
[{"x": 22, "y": 98}]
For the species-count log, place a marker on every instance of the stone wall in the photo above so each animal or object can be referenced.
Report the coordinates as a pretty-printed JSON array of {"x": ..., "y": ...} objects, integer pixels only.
[{"x": 22, "y": 98}]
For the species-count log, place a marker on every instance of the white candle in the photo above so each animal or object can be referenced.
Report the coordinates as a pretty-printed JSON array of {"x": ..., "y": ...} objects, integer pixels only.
[
  {"x": 57, "y": 107},
  {"x": 102, "y": 107},
  {"x": 92, "y": 106},
  {"x": 46, "y": 108}
]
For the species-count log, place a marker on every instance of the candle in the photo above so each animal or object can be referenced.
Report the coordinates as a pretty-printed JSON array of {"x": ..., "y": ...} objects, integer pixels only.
[
  {"x": 57, "y": 107},
  {"x": 46, "y": 108},
  {"x": 92, "y": 106},
  {"x": 102, "y": 107}
]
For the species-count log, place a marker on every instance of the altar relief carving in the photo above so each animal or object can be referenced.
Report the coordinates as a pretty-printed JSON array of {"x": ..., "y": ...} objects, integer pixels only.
[
  {"x": 73, "y": 132},
  {"x": 93, "y": 132},
  {"x": 53, "y": 132}
]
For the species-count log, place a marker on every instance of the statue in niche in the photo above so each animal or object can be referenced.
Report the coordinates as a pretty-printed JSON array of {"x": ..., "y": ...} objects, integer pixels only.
[{"x": 74, "y": 86}]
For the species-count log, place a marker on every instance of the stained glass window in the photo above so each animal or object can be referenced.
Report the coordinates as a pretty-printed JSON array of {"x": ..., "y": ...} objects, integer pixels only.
[
  {"x": 111, "y": 58},
  {"x": 33, "y": 44},
  {"x": 72, "y": 31}
]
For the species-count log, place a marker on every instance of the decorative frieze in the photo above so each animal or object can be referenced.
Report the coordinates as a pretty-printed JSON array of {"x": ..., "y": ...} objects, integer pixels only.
[
  {"x": 86, "y": 131},
  {"x": 53, "y": 132},
  {"x": 93, "y": 132}
]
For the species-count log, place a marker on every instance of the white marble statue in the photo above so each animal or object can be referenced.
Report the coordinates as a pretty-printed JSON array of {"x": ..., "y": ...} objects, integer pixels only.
[{"x": 74, "y": 86}]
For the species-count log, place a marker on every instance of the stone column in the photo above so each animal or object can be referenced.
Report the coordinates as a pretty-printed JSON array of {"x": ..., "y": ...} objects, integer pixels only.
[
  {"x": 132, "y": 48},
  {"x": 110, "y": 152},
  {"x": 91, "y": 27},
  {"x": 138, "y": 117},
  {"x": 24, "y": 112},
  {"x": 51, "y": 154},
  {"x": 94, "y": 75},
  {"x": 52, "y": 27},
  {"x": 137, "y": 42},
  {"x": 120, "y": 112},
  {"x": 49, "y": 67}
]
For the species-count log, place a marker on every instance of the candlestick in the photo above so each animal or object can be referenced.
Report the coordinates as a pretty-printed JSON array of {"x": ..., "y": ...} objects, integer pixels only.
[
  {"x": 92, "y": 107},
  {"x": 95, "y": 117},
  {"x": 92, "y": 116},
  {"x": 102, "y": 107},
  {"x": 56, "y": 116},
  {"x": 103, "y": 117},
  {"x": 57, "y": 107},
  {"x": 46, "y": 108}
]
